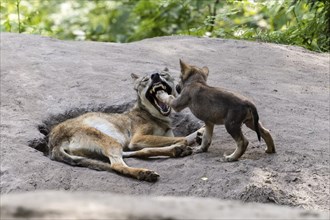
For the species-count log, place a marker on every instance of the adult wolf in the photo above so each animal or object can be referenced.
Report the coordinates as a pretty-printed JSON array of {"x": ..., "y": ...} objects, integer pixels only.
[{"x": 143, "y": 131}]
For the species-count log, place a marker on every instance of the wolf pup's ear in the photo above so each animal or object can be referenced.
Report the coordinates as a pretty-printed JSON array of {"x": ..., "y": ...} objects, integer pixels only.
[
  {"x": 184, "y": 66},
  {"x": 166, "y": 69},
  {"x": 134, "y": 76},
  {"x": 185, "y": 70}
]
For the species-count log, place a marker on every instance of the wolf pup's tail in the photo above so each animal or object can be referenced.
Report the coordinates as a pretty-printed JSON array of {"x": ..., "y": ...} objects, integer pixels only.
[{"x": 255, "y": 120}]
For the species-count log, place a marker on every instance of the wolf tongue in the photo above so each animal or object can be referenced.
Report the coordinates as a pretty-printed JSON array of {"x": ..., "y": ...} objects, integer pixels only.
[{"x": 162, "y": 105}]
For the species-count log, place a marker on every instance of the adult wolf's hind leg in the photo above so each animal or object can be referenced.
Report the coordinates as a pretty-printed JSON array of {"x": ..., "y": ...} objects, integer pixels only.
[
  {"x": 265, "y": 134},
  {"x": 118, "y": 165},
  {"x": 91, "y": 139},
  {"x": 235, "y": 131}
]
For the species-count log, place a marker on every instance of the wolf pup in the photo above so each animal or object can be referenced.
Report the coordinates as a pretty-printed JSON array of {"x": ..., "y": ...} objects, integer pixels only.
[
  {"x": 217, "y": 106},
  {"x": 143, "y": 131}
]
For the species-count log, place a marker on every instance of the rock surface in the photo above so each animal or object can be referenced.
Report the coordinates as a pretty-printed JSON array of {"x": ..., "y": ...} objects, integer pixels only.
[
  {"x": 44, "y": 80},
  {"x": 97, "y": 205}
]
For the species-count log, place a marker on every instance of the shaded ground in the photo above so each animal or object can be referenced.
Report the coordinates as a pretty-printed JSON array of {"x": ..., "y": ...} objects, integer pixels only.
[{"x": 43, "y": 77}]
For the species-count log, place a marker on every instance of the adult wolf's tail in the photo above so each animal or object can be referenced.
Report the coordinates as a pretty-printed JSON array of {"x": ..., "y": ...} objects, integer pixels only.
[
  {"x": 58, "y": 153},
  {"x": 255, "y": 120}
]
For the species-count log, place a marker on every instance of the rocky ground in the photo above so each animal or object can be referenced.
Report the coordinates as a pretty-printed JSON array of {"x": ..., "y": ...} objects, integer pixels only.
[
  {"x": 101, "y": 205},
  {"x": 44, "y": 80}
]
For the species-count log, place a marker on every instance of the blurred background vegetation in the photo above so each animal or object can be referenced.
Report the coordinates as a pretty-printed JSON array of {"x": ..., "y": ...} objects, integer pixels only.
[{"x": 295, "y": 22}]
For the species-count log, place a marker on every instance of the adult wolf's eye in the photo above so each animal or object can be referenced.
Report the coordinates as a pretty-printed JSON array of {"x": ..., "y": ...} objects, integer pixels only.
[{"x": 165, "y": 75}]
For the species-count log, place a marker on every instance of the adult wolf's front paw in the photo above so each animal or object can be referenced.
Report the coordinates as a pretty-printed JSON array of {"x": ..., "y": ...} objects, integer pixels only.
[
  {"x": 199, "y": 136},
  {"x": 199, "y": 149},
  {"x": 182, "y": 151},
  {"x": 148, "y": 175}
]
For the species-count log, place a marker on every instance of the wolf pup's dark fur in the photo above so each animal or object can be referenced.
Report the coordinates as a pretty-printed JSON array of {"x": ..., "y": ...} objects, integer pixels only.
[{"x": 217, "y": 106}]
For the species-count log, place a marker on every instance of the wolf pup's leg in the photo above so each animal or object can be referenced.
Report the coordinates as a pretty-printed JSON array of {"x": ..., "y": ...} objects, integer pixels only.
[
  {"x": 207, "y": 138},
  {"x": 234, "y": 129},
  {"x": 265, "y": 135},
  {"x": 268, "y": 139}
]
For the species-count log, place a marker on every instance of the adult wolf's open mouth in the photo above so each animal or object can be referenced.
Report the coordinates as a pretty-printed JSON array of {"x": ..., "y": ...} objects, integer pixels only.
[{"x": 151, "y": 96}]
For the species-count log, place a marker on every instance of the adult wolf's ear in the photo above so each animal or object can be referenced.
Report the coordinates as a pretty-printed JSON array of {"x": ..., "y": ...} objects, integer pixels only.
[
  {"x": 136, "y": 83},
  {"x": 134, "y": 76},
  {"x": 205, "y": 71}
]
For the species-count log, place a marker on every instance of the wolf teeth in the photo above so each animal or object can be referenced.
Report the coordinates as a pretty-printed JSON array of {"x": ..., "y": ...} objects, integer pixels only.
[
  {"x": 157, "y": 86},
  {"x": 168, "y": 108}
]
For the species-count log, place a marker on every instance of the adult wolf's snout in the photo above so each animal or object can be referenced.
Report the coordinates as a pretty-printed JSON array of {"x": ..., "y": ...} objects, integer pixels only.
[{"x": 155, "y": 77}]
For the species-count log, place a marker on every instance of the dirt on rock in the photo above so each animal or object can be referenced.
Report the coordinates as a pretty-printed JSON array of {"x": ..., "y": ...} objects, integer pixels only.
[{"x": 44, "y": 81}]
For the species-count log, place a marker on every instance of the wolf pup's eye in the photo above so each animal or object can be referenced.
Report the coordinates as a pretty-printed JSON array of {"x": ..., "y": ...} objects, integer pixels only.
[{"x": 145, "y": 79}]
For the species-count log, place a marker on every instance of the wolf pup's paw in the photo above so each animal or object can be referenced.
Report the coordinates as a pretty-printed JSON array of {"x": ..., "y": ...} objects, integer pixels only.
[
  {"x": 162, "y": 96},
  {"x": 270, "y": 150},
  {"x": 148, "y": 175},
  {"x": 229, "y": 158}
]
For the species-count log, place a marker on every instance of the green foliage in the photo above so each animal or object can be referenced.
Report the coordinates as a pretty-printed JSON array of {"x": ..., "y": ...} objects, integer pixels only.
[{"x": 297, "y": 22}]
